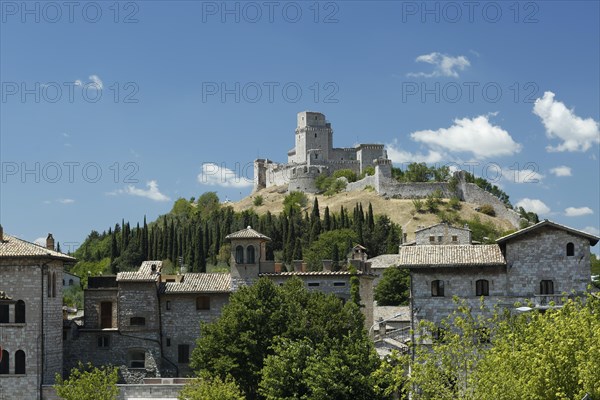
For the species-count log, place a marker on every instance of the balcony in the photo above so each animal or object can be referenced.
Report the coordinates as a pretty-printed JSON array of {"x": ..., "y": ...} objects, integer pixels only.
[{"x": 546, "y": 301}]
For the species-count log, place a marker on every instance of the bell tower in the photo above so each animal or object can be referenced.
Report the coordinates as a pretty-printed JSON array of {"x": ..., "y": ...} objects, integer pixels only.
[{"x": 248, "y": 253}]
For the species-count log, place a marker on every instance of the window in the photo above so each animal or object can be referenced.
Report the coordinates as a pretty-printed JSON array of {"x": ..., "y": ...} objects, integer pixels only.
[
  {"x": 105, "y": 314},
  {"x": 168, "y": 342},
  {"x": 239, "y": 255},
  {"x": 431, "y": 239},
  {"x": 482, "y": 288},
  {"x": 315, "y": 133},
  {"x": 183, "y": 353},
  {"x": 440, "y": 238},
  {"x": 437, "y": 288},
  {"x": 137, "y": 359},
  {"x": 570, "y": 249},
  {"x": 454, "y": 238},
  {"x": 203, "y": 303},
  {"x": 54, "y": 284},
  {"x": 168, "y": 304},
  {"x": 63, "y": 282},
  {"x": 546, "y": 287},
  {"x": 313, "y": 284},
  {"x": 104, "y": 341},
  {"x": 4, "y": 313},
  {"x": 339, "y": 283},
  {"x": 250, "y": 255},
  {"x": 20, "y": 312},
  {"x": 4, "y": 362},
  {"x": 49, "y": 284},
  {"x": 70, "y": 282},
  {"x": 137, "y": 321}
]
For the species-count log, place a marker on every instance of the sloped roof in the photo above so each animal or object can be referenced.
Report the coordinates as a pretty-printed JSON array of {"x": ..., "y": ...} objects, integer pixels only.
[
  {"x": 143, "y": 274},
  {"x": 247, "y": 233},
  {"x": 311, "y": 273},
  {"x": 198, "y": 283},
  {"x": 592, "y": 238},
  {"x": 384, "y": 261},
  {"x": 450, "y": 256},
  {"x": 13, "y": 247}
]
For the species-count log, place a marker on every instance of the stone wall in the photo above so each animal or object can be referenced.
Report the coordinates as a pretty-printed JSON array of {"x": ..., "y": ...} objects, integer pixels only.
[
  {"x": 91, "y": 305},
  {"x": 181, "y": 323},
  {"x": 445, "y": 232},
  {"x": 457, "y": 282},
  {"x": 472, "y": 193},
  {"x": 147, "y": 391},
  {"x": 541, "y": 255},
  {"x": 28, "y": 280}
]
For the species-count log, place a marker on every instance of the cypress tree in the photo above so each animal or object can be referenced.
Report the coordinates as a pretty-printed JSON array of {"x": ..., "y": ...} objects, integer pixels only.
[
  {"x": 297, "y": 250},
  {"x": 326, "y": 220}
]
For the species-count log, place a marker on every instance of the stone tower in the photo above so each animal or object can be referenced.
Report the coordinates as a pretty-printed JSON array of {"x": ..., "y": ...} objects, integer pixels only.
[
  {"x": 248, "y": 256},
  {"x": 314, "y": 137}
]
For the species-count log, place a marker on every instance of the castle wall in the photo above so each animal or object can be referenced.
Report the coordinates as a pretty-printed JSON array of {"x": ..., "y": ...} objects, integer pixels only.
[
  {"x": 366, "y": 153},
  {"x": 342, "y": 154},
  {"x": 472, "y": 193}
]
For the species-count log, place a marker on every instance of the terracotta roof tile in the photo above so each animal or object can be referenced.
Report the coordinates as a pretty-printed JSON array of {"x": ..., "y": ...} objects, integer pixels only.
[
  {"x": 445, "y": 256},
  {"x": 199, "y": 283},
  {"x": 11, "y": 247},
  {"x": 247, "y": 233}
]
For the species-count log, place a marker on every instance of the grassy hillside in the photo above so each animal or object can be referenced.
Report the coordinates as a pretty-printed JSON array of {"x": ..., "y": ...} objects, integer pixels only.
[{"x": 400, "y": 211}]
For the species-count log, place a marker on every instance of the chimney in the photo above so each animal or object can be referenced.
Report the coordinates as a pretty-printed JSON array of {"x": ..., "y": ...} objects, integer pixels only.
[
  {"x": 50, "y": 242},
  {"x": 1, "y": 234}
]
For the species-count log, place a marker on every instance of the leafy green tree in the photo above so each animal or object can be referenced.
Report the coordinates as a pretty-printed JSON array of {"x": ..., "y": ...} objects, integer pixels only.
[
  {"x": 346, "y": 173},
  {"x": 211, "y": 388},
  {"x": 595, "y": 261},
  {"x": 418, "y": 172},
  {"x": 294, "y": 202},
  {"x": 181, "y": 207},
  {"x": 207, "y": 204},
  {"x": 544, "y": 356},
  {"x": 394, "y": 288},
  {"x": 88, "y": 383},
  {"x": 322, "y": 249},
  {"x": 258, "y": 201},
  {"x": 260, "y": 316}
]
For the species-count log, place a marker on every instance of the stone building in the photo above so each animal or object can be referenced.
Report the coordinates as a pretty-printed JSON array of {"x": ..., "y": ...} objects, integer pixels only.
[
  {"x": 538, "y": 264},
  {"x": 30, "y": 316},
  {"x": 148, "y": 322},
  {"x": 313, "y": 155}
]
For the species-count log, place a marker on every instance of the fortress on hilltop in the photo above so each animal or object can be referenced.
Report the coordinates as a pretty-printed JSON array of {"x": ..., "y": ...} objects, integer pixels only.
[{"x": 314, "y": 155}]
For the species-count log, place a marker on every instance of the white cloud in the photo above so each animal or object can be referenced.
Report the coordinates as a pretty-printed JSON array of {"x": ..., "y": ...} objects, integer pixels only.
[
  {"x": 400, "y": 156},
  {"x": 527, "y": 174},
  {"x": 444, "y": 65},
  {"x": 66, "y": 201},
  {"x": 592, "y": 230},
  {"x": 578, "y": 211},
  {"x": 533, "y": 205},
  {"x": 97, "y": 82},
  {"x": 214, "y": 175},
  {"x": 562, "y": 170},
  {"x": 152, "y": 193},
  {"x": 40, "y": 241},
  {"x": 477, "y": 136},
  {"x": 576, "y": 133}
]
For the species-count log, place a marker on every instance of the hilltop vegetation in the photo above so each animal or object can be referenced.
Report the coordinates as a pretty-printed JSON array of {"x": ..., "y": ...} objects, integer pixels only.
[{"x": 301, "y": 226}]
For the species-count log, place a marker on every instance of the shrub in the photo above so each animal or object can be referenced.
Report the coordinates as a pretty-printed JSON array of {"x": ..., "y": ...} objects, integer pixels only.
[
  {"x": 431, "y": 203},
  {"x": 418, "y": 203},
  {"x": 258, "y": 201},
  {"x": 454, "y": 203},
  {"x": 346, "y": 173},
  {"x": 294, "y": 201},
  {"x": 487, "y": 209}
]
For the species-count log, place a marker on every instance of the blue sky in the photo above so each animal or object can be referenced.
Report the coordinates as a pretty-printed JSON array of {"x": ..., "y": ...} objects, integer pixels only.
[{"x": 110, "y": 110}]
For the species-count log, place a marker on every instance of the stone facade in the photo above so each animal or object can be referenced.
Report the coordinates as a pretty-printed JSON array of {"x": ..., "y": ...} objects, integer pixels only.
[
  {"x": 313, "y": 155},
  {"x": 539, "y": 264},
  {"x": 443, "y": 234},
  {"x": 30, "y": 316}
]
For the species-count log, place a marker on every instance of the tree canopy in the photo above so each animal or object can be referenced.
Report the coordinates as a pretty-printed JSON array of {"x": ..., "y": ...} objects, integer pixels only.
[{"x": 317, "y": 339}]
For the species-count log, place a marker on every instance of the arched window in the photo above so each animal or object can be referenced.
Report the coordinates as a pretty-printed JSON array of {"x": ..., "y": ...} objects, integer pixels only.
[
  {"x": 239, "y": 255},
  {"x": 250, "y": 255},
  {"x": 49, "y": 284},
  {"x": 54, "y": 284},
  {"x": 437, "y": 288},
  {"x": 137, "y": 359},
  {"x": 570, "y": 249},
  {"x": 482, "y": 287},
  {"x": 4, "y": 362},
  {"x": 546, "y": 287},
  {"x": 20, "y": 312},
  {"x": 20, "y": 362}
]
